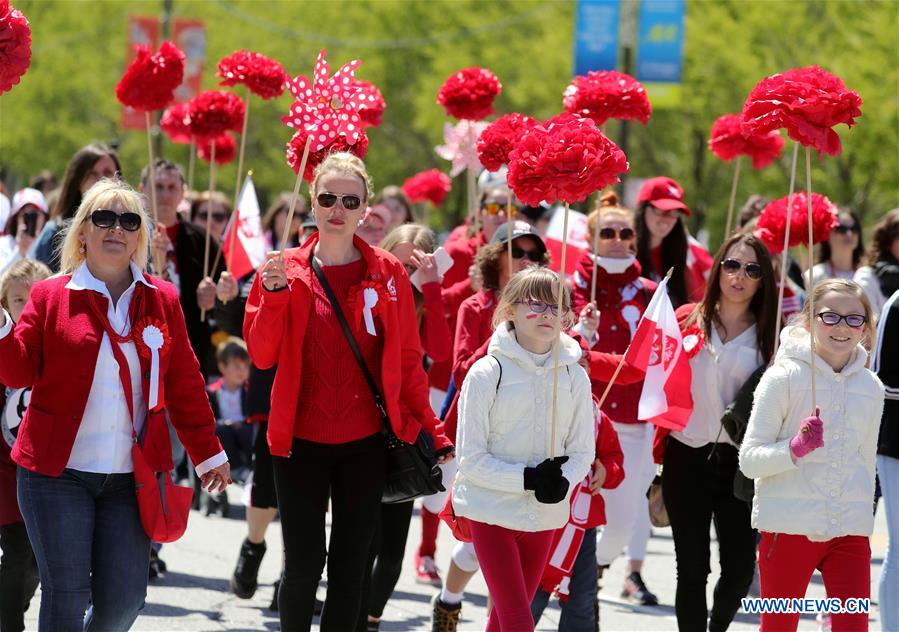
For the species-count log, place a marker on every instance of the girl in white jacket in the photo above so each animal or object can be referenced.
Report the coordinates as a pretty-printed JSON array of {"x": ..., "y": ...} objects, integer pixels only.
[
  {"x": 510, "y": 489},
  {"x": 814, "y": 469}
]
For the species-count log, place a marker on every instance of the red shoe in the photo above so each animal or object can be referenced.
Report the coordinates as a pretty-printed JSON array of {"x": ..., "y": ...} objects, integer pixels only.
[{"x": 426, "y": 571}]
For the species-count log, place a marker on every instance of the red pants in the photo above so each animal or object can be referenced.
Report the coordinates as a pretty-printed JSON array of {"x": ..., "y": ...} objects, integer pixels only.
[
  {"x": 786, "y": 564},
  {"x": 513, "y": 563}
]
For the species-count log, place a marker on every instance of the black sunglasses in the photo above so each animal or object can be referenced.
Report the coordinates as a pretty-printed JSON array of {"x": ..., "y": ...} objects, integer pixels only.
[
  {"x": 624, "y": 234},
  {"x": 104, "y": 218},
  {"x": 752, "y": 269},
  {"x": 349, "y": 202},
  {"x": 843, "y": 229},
  {"x": 216, "y": 217},
  {"x": 534, "y": 255},
  {"x": 832, "y": 319}
]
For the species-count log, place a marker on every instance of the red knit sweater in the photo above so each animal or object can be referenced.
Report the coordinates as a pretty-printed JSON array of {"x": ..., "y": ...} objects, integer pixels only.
[{"x": 335, "y": 403}]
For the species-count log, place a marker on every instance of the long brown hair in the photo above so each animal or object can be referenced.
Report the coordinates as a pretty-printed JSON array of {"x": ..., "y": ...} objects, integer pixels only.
[
  {"x": 80, "y": 164},
  {"x": 674, "y": 254},
  {"x": 886, "y": 230},
  {"x": 763, "y": 304}
]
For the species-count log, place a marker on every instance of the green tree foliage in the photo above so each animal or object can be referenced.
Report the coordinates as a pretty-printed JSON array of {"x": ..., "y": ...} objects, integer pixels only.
[{"x": 409, "y": 47}]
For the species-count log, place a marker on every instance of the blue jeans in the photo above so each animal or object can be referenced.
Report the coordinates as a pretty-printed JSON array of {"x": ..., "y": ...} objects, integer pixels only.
[
  {"x": 888, "y": 471},
  {"x": 578, "y": 614},
  {"x": 89, "y": 544}
]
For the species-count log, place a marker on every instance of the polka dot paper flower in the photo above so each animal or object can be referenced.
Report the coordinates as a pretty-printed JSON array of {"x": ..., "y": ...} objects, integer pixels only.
[
  {"x": 297, "y": 144},
  {"x": 372, "y": 109}
]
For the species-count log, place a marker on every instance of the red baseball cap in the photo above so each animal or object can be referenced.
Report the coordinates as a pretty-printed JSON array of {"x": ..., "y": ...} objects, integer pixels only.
[{"x": 663, "y": 193}]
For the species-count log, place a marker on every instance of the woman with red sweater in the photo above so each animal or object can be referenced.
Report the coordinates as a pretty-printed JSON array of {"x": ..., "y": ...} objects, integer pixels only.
[
  {"x": 325, "y": 430},
  {"x": 74, "y": 444}
]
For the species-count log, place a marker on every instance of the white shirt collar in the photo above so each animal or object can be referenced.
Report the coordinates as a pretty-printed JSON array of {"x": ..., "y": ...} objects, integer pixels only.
[{"x": 82, "y": 279}]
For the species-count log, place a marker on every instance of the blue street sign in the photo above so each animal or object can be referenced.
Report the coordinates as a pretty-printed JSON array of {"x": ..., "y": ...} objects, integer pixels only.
[{"x": 596, "y": 35}]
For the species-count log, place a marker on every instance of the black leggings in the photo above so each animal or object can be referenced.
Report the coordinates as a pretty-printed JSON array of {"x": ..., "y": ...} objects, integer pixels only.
[
  {"x": 386, "y": 558},
  {"x": 353, "y": 475},
  {"x": 18, "y": 576},
  {"x": 698, "y": 487}
]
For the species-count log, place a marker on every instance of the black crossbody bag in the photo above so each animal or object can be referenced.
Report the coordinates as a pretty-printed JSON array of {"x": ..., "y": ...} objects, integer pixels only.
[{"x": 412, "y": 469}]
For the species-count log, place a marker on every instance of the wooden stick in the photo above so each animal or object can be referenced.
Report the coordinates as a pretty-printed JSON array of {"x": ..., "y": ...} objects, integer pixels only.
[
  {"x": 471, "y": 185},
  {"x": 243, "y": 144},
  {"x": 784, "y": 258},
  {"x": 595, "y": 253},
  {"x": 733, "y": 199},
  {"x": 509, "y": 227},
  {"x": 191, "y": 161},
  {"x": 158, "y": 262},
  {"x": 209, "y": 218},
  {"x": 558, "y": 337},
  {"x": 285, "y": 234},
  {"x": 811, "y": 289}
]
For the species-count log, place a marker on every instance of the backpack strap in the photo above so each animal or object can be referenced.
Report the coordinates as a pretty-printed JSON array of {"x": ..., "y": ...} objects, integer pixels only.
[{"x": 498, "y": 364}]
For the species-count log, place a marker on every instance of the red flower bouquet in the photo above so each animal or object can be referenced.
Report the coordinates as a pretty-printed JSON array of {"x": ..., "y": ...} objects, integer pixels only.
[
  {"x": 225, "y": 148},
  {"x": 297, "y": 144},
  {"x": 469, "y": 93},
  {"x": 428, "y": 186},
  {"x": 215, "y": 112},
  {"x": 606, "y": 94},
  {"x": 264, "y": 76},
  {"x": 15, "y": 46},
  {"x": 730, "y": 138},
  {"x": 772, "y": 223},
  {"x": 150, "y": 80},
  {"x": 498, "y": 139},
  {"x": 175, "y": 123}
]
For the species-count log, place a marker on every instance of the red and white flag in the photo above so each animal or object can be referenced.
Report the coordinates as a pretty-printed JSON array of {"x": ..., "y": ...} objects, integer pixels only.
[
  {"x": 577, "y": 239},
  {"x": 249, "y": 243},
  {"x": 657, "y": 348}
]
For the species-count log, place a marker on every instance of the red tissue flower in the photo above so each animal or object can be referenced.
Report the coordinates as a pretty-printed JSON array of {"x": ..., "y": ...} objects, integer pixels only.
[
  {"x": 807, "y": 102},
  {"x": 263, "y": 75},
  {"x": 175, "y": 122},
  {"x": 297, "y": 144},
  {"x": 371, "y": 110},
  {"x": 215, "y": 112},
  {"x": 150, "y": 81},
  {"x": 15, "y": 46},
  {"x": 469, "y": 93},
  {"x": 225, "y": 148},
  {"x": 428, "y": 186},
  {"x": 772, "y": 222},
  {"x": 730, "y": 138},
  {"x": 566, "y": 158},
  {"x": 606, "y": 94},
  {"x": 498, "y": 139}
]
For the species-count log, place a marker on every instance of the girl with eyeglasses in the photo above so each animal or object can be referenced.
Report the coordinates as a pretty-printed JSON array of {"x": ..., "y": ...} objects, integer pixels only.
[
  {"x": 515, "y": 473},
  {"x": 814, "y": 467},
  {"x": 728, "y": 337},
  {"x": 841, "y": 254},
  {"x": 325, "y": 430}
]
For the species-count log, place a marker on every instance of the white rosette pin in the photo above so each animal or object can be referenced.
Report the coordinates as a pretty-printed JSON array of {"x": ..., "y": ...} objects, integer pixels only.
[{"x": 152, "y": 337}]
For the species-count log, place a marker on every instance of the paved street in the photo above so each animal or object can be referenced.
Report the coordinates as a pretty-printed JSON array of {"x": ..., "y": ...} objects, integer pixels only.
[{"x": 194, "y": 593}]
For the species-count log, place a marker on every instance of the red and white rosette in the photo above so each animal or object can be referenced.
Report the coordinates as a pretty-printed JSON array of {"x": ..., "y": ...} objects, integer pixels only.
[{"x": 152, "y": 338}]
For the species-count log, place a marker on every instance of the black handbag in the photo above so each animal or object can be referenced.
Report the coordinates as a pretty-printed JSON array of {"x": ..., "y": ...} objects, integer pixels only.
[{"x": 412, "y": 469}]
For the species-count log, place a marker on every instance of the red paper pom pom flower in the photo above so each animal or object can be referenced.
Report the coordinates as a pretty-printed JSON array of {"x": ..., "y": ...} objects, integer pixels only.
[
  {"x": 297, "y": 144},
  {"x": 498, "y": 139},
  {"x": 372, "y": 104},
  {"x": 150, "y": 81},
  {"x": 428, "y": 186},
  {"x": 469, "y": 94},
  {"x": 730, "y": 138},
  {"x": 15, "y": 46},
  {"x": 807, "y": 102},
  {"x": 264, "y": 76},
  {"x": 175, "y": 122},
  {"x": 606, "y": 94},
  {"x": 566, "y": 158},
  {"x": 225, "y": 148},
  {"x": 772, "y": 222},
  {"x": 215, "y": 112}
]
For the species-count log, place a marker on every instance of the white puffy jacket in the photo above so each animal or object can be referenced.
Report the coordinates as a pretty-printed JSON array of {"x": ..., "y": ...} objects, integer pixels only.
[
  {"x": 829, "y": 492},
  {"x": 504, "y": 429}
]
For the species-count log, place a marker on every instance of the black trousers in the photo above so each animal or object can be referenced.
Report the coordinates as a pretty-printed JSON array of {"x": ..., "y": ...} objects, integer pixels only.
[
  {"x": 385, "y": 561},
  {"x": 18, "y": 576},
  {"x": 697, "y": 484},
  {"x": 353, "y": 476}
]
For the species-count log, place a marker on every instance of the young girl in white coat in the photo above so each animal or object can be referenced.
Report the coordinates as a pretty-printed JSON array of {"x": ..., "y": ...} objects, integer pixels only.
[
  {"x": 814, "y": 469},
  {"x": 514, "y": 494}
]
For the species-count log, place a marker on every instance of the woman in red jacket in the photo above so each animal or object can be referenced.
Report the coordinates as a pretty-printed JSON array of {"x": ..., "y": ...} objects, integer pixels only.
[
  {"x": 325, "y": 430},
  {"x": 81, "y": 344}
]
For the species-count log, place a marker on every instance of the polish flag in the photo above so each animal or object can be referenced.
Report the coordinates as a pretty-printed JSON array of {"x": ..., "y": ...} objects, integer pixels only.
[
  {"x": 657, "y": 348},
  {"x": 577, "y": 239},
  {"x": 246, "y": 251}
]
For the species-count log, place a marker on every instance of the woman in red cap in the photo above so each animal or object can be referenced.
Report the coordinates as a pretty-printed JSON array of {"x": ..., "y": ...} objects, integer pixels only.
[{"x": 663, "y": 241}]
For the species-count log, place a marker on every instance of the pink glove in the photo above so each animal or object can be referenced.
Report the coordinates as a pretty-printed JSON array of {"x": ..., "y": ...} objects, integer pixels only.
[{"x": 810, "y": 436}]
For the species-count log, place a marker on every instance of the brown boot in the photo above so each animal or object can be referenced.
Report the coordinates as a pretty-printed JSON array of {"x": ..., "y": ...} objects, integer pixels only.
[{"x": 444, "y": 617}]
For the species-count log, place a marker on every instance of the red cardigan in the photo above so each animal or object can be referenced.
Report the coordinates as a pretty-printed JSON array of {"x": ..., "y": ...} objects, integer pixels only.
[
  {"x": 275, "y": 324},
  {"x": 54, "y": 348}
]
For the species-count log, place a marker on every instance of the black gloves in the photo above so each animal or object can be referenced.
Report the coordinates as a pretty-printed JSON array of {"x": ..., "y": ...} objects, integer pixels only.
[{"x": 546, "y": 480}]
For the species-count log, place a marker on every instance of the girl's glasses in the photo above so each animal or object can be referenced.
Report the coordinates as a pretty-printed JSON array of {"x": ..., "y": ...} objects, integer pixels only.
[
  {"x": 539, "y": 307},
  {"x": 832, "y": 319}
]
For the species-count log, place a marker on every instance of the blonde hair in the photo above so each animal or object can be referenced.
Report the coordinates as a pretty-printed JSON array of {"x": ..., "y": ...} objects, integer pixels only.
[
  {"x": 608, "y": 205},
  {"x": 419, "y": 236},
  {"x": 25, "y": 271},
  {"x": 531, "y": 284},
  {"x": 840, "y": 286},
  {"x": 104, "y": 194},
  {"x": 343, "y": 163}
]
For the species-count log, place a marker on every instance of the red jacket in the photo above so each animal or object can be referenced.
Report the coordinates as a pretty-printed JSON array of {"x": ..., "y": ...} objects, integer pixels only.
[
  {"x": 54, "y": 348},
  {"x": 609, "y": 453},
  {"x": 9, "y": 504},
  {"x": 621, "y": 300},
  {"x": 436, "y": 335},
  {"x": 275, "y": 324}
]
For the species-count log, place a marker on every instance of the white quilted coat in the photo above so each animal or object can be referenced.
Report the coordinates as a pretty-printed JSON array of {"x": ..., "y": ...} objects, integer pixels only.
[
  {"x": 503, "y": 430},
  {"x": 829, "y": 492}
]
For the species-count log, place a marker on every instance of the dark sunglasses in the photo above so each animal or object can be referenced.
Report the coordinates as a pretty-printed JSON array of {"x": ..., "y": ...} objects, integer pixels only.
[
  {"x": 624, "y": 234},
  {"x": 832, "y": 319},
  {"x": 533, "y": 255},
  {"x": 349, "y": 202},
  {"x": 539, "y": 307},
  {"x": 843, "y": 229},
  {"x": 216, "y": 217},
  {"x": 104, "y": 218},
  {"x": 752, "y": 269}
]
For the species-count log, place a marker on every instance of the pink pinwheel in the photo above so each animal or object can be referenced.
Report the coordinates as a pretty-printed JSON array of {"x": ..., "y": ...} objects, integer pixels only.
[
  {"x": 460, "y": 145},
  {"x": 328, "y": 105}
]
